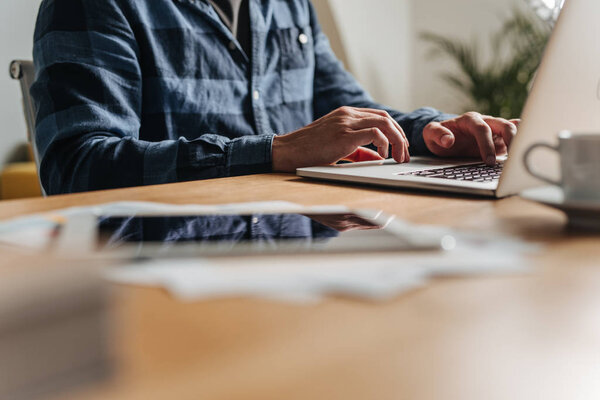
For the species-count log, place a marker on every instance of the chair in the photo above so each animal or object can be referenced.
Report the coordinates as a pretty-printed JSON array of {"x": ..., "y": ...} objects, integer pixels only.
[
  {"x": 17, "y": 179},
  {"x": 24, "y": 72}
]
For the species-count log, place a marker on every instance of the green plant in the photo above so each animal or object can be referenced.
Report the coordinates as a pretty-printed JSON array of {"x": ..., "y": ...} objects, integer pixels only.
[{"x": 499, "y": 87}]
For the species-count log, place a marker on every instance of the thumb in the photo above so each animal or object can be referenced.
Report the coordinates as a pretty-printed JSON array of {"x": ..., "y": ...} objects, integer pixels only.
[
  {"x": 440, "y": 135},
  {"x": 363, "y": 154}
]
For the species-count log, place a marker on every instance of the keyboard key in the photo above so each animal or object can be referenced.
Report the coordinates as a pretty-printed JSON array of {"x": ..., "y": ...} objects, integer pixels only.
[{"x": 472, "y": 173}]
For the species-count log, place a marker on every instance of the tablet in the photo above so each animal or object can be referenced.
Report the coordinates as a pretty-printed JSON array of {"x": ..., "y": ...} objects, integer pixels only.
[{"x": 255, "y": 234}]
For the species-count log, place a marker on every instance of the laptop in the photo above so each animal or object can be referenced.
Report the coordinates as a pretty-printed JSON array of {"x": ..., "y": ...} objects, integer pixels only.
[{"x": 565, "y": 96}]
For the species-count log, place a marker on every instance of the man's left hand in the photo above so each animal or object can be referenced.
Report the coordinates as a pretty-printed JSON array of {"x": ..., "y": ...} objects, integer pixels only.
[{"x": 471, "y": 135}]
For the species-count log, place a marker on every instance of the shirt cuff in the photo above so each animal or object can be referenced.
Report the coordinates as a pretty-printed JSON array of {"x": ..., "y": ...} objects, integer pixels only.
[{"x": 250, "y": 155}]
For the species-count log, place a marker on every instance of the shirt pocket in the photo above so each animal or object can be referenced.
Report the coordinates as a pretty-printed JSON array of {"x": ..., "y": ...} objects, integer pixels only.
[{"x": 297, "y": 63}]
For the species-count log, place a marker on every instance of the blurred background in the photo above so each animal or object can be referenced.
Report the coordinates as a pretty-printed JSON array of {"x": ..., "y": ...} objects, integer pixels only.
[{"x": 454, "y": 55}]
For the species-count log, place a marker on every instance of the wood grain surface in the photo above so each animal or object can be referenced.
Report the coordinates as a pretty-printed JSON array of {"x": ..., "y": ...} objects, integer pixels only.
[{"x": 531, "y": 336}]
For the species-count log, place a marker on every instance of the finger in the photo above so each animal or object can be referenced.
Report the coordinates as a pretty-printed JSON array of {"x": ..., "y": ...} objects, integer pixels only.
[
  {"x": 385, "y": 126},
  {"x": 440, "y": 135},
  {"x": 406, "y": 145},
  {"x": 363, "y": 154},
  {"x": 473, "y": 124},
  {"x": 502, "y": 127},
  {"x": 402, "y": 155},
  {"x": 501, "y": 148},
  {"x": 384, "y": 123},
  {"x": 373, "y": 136},
  {"x": 384, "y": 113}
]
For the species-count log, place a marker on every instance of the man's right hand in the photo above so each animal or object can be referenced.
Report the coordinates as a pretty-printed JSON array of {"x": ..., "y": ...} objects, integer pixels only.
[{"x": 340, "y": 135}]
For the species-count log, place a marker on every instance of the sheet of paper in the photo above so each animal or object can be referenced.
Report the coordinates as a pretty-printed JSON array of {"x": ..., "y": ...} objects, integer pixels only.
[
  {"x": 197, "y": 279},
  {"x": 313, "y": 277},
  {"x": 34, "y": 232}
]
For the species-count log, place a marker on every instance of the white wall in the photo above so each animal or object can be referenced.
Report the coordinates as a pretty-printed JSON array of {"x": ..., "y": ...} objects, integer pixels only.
[
  {"x": 17, "y": 21},
  {"x": 385, "y": 52},
  {"x": 463, "y": 19},
  {"x": 376, "y": 36}
]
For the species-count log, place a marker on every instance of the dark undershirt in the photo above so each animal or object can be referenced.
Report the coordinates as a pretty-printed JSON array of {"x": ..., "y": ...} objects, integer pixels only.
[{"x": 235, "y": 14}]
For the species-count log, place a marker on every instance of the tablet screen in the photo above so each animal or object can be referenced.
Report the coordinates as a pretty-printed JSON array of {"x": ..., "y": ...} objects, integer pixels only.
[{"x": 216, "y": 234}]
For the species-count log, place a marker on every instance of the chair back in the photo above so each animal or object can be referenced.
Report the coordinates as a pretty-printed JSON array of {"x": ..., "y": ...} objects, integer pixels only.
[{"x": 24, "y": 72}]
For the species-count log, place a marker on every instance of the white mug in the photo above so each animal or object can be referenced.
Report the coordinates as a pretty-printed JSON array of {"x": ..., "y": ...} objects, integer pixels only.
[{"x": 580, "y": 165}]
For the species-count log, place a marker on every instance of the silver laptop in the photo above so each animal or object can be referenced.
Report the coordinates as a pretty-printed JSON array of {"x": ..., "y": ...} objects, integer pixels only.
[{"x": 565, "y": 96}]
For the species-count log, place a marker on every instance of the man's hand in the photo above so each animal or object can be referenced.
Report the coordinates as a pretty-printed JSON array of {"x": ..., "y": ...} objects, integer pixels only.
[
  {"x": 471, "y": 135},
  {"x": 340, "y": 135}
]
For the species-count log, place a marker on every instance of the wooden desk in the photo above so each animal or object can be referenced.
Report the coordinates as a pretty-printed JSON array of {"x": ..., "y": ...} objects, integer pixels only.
[{"x": 520, "y": 337}]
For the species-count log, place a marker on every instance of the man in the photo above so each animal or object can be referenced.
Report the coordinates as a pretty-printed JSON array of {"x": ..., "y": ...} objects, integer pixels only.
[{"x": 138, "y": 92}]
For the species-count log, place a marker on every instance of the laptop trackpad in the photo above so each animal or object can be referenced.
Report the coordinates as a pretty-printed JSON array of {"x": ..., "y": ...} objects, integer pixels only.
[{"x": 415, "y": 164}]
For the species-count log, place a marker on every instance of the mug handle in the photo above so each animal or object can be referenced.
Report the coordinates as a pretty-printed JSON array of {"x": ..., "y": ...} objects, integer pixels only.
[{"x": 528, "y": 167}]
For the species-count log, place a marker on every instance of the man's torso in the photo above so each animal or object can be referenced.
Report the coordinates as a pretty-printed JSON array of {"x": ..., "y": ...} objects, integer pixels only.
[
  {"x": 197, "y": 79},
  {"x": 235, "y": 14}
]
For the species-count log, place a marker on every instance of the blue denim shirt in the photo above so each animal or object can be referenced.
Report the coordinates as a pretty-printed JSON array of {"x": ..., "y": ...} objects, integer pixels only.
[{"x": 139, "y": 92}]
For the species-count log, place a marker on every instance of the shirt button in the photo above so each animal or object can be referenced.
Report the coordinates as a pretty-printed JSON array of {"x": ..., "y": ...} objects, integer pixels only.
[
  {"x": 255, "y": 220},
  {"x": 256, "y": 95},
  {"x": 303, "y": 39},
  {"x": 232, "y": 46}
]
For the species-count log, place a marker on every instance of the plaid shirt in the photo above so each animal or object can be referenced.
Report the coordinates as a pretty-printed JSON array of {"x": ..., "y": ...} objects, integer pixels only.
[{"x": 139, "y": 92}]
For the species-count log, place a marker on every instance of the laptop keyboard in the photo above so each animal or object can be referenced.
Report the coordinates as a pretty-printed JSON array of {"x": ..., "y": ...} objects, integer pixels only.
[{"x": 471, "y": 173}]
